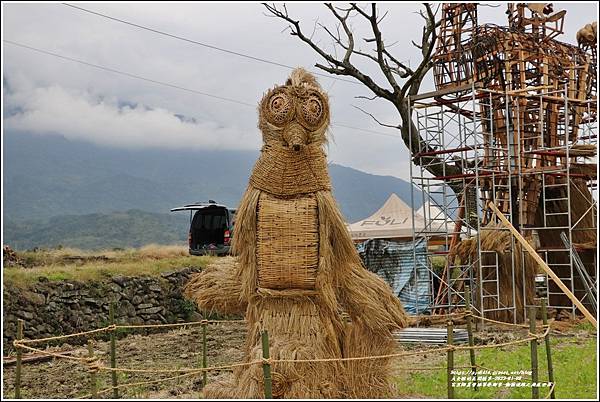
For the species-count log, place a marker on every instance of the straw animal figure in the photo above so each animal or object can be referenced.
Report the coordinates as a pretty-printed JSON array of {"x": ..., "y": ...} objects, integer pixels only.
[
  {"x": 588, "y": 35},
  {"x": 296, "y": 272}
]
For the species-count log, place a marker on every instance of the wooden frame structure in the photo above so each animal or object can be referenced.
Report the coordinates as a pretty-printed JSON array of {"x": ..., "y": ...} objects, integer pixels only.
[{"x": 516, "y": 109}]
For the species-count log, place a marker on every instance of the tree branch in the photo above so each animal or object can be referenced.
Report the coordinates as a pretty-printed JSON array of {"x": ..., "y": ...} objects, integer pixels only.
[
  {"x": 411, "y": 87},
  {"x": 366, "y": 97},
  {"x": 389, "y": 66},
  {"x": 385, "y": 69},
  {"x": 342, "y": 19},
  {"x": 399, "y": 127},
  {"x": 337, "y": 67}
]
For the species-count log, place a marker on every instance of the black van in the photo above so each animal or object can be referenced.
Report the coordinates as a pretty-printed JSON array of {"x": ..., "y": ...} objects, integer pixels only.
[{"x": 211, "y": 227}]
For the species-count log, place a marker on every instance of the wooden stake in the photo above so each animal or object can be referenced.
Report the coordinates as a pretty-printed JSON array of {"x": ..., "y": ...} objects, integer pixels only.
[
  {"x": 204, "y": 349},
  {"x": 113, "y": 351},
  {"x": 470, "y": 333},
  {"x": 266, "y": 366},
  {"x": 548, "y": 352},
  {"x": 450, "y": 363},
  {"x": 20, "y": 324},
  {"x": 543, "y": 265},
  {"x": 535, "y": 390},
  {"x": 93, "y": 383}
]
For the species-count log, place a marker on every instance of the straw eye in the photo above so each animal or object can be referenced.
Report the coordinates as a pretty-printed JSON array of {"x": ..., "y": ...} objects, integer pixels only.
[
  {"x": 313, "y": 110},
  {"x": 278, "y": 108},
  {"x": 277, "y": 103}
]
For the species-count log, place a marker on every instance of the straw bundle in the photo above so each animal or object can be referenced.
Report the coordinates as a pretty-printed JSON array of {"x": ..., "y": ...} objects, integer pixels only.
[
  {"x": 520, "y": 279},
  {"x": 368, "y": 378},
  {"x": 217, "y": 288},
  {"x": 297, "y": 268}
]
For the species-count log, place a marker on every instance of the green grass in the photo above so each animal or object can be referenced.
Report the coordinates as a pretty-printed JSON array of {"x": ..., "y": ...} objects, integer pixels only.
[
  {"x": 584, "y": 325},
  {"x": 574, "y": 362},
  {"x": 438, "y": 263},
  {"x": 55, "y": 266}
]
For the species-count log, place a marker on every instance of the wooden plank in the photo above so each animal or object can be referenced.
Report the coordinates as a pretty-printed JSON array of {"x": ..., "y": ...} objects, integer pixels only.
[
  {"x": 442, "y": 92},
  {"x": 543, "y": 265}
]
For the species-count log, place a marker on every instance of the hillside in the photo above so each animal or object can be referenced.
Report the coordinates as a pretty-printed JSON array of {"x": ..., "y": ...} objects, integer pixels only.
[
  {"x": 59, "y": 191},
  {"x": 133, "y": 228}
]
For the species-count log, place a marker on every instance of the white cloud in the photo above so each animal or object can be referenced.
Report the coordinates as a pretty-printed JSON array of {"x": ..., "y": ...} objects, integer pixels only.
[
  {"x": 102, "y": 120},
  {"x": 67, "y": 99}
]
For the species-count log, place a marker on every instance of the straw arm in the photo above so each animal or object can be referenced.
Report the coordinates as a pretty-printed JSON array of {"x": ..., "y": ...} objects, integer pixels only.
[{"x": 217, "y": 288}]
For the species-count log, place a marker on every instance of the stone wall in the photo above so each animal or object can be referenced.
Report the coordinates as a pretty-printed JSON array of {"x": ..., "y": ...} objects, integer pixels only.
[{"x": 60, "y": 308}]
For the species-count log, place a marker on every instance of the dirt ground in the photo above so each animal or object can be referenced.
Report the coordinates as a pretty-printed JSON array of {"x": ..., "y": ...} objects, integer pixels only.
[
  {"x": 175, "y": 349},
  {"x": 178, "y": 348}
]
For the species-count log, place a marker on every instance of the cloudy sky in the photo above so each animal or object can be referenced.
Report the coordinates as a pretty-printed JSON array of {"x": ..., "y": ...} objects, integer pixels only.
[{"x": 44, "y": 94}]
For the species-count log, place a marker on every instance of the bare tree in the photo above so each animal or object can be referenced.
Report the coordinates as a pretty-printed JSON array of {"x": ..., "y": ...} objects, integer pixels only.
[{"x": 402, "y": 81}]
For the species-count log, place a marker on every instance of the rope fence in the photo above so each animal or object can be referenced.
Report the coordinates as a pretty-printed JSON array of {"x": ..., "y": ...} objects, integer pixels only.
[
  {"x": 137, "y": 384},
  {"x": 114, "y": 327},
  {"x": 93, "y": 365}
]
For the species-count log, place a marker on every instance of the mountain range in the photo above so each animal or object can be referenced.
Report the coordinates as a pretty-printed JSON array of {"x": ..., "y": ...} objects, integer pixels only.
[{"x": 75, "y": 193}]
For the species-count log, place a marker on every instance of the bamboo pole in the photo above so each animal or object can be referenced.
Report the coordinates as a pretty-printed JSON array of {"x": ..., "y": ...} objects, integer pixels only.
[
  {"x": 266, "y": 366},
  {"x": 93, "y": 382},
  {"x": 204, "y": 350},
  {"x": 535, "y": 390},
  {"x": 548, "y": 352},
  {"x": 470, "y": 333},
  {"x": 20, "y": 324},
  {"x": 450, "y": 363},
  {"x": 543, "y": 265},
  {"x": 113, "y": 350}
]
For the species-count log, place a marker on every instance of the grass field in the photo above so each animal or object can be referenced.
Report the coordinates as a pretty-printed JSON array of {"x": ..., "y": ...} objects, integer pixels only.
[
  {"x": 574, "y": 361},
  {"x": 74, "y": 264}
]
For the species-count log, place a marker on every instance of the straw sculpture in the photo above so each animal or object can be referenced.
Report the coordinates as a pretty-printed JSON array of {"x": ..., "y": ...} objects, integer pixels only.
[
  {"x": 296, "y": 272},
  {"x": 494, "y": 237},
  {"x": 588, "y": 35}
]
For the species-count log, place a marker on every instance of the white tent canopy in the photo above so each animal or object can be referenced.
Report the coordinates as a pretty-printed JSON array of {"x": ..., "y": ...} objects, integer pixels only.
[
  {"x": 438, "y": 221},
  {"x": 392, "y": 220}
]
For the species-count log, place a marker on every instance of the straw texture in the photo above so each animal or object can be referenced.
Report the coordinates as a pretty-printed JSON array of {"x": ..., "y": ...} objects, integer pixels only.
[
  {"x": 290, "y": 228},
  {"x": 494, "y": 238},
  {"x": 297, "y": 268},
  {"x": 280, "y": 172},
  {"x": 217, "y": 288}
]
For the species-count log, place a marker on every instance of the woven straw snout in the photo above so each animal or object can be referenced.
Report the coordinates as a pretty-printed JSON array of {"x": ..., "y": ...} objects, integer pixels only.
[{"x": 295, "y": 136}]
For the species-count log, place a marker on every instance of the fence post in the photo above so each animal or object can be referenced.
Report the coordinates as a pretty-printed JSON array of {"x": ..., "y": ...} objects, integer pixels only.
[
  {"x": 266, "y": 365},
  {"x": 93, "y": 383},
  {"x": 20, "y": 324},
  {"x": 113, "y": 350},
  {"x": 548, "y": 353},
  {"x": 450, "y": 363},
  {"x": 204, "y": 362},
  {"x": 535, "y": 391},
  {"x": 470, "y": 333}
]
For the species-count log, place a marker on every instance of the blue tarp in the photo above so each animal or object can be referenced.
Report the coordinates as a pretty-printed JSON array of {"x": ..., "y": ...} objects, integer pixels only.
[{"x": 404, "y": 267}]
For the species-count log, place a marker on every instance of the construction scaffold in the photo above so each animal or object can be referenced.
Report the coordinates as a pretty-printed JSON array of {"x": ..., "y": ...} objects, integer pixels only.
[{"x": 513, "y": 121}]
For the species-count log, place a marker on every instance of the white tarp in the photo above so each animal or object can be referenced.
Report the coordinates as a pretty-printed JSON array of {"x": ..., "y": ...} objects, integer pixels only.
[{"x": 392, "y": 220}]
